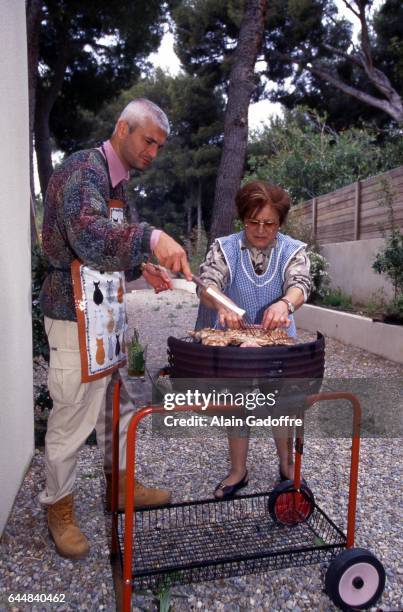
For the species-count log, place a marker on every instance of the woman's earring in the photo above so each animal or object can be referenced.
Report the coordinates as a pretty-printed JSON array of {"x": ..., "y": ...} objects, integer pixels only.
[{"x": 246, "y": 225}]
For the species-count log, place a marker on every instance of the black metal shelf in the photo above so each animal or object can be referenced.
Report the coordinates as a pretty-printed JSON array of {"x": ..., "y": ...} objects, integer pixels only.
[{"x": 210, "y": 539}]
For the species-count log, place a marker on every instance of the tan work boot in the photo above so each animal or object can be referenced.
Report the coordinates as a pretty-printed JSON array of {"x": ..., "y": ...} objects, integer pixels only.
[
  {"x": 143, "y": 496},
  {"x": 69, "y": 540}
]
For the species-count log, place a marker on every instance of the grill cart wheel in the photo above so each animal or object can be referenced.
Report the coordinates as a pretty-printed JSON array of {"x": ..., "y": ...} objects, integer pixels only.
[
  {"x": 355, "y": 579},
  {"x": 289, "y": 506}
]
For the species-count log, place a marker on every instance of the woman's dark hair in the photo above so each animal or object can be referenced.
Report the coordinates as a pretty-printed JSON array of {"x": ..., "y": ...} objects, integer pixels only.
[{"x": 253, "y": 196}]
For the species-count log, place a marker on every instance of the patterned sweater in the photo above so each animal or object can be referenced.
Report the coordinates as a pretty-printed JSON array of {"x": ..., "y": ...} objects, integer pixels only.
[{"x": 77, "y": 225}]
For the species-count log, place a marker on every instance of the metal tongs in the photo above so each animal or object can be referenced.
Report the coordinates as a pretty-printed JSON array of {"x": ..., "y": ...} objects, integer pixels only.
[{"x": 246, "y": 325}]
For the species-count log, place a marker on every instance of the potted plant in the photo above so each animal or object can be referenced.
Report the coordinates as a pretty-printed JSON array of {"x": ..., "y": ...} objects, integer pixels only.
[{"x": 136, "y": 356}]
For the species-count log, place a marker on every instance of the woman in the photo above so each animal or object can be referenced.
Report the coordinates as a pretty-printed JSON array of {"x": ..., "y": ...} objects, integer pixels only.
[{"x": 266, "y": 273}]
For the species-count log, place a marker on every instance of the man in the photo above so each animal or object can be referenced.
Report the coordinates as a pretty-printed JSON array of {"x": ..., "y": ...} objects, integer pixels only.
[{"x": 90, "y": 242}]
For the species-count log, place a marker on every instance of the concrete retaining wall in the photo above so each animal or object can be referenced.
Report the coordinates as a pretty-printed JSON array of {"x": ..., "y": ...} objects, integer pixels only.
[{"x": 379, "y": 338}]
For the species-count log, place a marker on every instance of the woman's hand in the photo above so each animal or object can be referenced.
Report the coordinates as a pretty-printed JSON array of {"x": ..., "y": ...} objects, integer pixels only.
[
  {"x": 157, "y": 277},
  {"x": 275, "y": 316},
  {"x": 228, "y": 318}
]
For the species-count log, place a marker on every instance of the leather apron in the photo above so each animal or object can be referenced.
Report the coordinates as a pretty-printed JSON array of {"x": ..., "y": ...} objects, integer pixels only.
[{"x": 101, "y": 313}]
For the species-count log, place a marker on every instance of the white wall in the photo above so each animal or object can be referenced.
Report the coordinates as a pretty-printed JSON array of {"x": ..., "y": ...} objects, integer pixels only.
[
  {"x": 351, "y": 269},
  {"x": 16, "y": 405}
]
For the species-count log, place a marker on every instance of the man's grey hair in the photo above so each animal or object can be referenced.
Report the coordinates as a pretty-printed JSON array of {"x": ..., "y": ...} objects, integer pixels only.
[{"x": 137, "y": 111}]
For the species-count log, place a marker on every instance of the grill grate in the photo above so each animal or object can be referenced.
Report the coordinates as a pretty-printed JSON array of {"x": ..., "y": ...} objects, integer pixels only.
[{"x": 208, "y": 540}]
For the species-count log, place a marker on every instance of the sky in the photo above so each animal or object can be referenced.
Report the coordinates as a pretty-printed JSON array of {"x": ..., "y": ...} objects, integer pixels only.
[{"x": 260, "y": 112}]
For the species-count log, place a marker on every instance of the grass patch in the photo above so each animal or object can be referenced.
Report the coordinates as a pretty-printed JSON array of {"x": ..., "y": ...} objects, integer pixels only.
[{"x": 336, "y": 298}]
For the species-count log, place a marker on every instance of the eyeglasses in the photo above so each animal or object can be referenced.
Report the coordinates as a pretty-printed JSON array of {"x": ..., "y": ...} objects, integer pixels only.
[{"x": 265, "y": 224}]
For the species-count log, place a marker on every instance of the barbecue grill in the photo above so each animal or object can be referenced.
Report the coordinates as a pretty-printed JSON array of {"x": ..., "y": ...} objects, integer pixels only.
[
  {"x": 190, "y": 359},
  {"x": 295, "y": 371}
]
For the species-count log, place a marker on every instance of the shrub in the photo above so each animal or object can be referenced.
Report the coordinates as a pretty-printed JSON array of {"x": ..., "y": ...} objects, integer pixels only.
[
  {"x": 300, "y": 231},
  {"x": 394, "y": 311},
  {"x": 320, "y": 276},
  {"x": 43, "y": 401},
  {"x": 396, "y": 306},
  {"x": 39, "y": 266},
  {"x": 376, "y": 304},
  {"x": 336, "y": 298},
  {"x": 390, "y": 262},
  {"x": 307, "y": 157}
]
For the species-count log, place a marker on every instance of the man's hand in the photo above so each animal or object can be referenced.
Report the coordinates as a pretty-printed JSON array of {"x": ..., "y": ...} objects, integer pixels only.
[
  {"x": 275, "y": 316},
  {"x": 171, "y": 255},
  {"x": 157, "y": 277}
]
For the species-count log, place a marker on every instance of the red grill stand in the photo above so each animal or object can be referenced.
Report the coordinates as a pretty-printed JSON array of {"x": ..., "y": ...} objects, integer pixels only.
[{"x": 139, "y": 536}]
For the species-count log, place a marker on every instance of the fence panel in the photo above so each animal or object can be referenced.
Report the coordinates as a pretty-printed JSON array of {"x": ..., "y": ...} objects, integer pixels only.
[{"x": 354, "y": 212}]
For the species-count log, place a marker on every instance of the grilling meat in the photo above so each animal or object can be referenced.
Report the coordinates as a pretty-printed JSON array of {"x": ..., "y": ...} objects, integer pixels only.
[{"x": 243, "y": 338}]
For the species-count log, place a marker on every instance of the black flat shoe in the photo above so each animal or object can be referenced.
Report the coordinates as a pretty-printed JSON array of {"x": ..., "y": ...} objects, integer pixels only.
[
  {"x": 229, "y": 491},
  {"x": 283, "y": 477}
]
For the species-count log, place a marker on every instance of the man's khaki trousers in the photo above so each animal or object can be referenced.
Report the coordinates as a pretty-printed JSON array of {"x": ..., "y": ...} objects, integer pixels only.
[{"x": 78, "y": 408}]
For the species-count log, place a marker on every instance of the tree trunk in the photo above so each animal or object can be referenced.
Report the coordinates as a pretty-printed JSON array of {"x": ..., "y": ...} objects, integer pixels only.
[
  {"x": 391, "y": 102},
  {"x": 33, "y": 17},
  {"x": 45, "y": 100},
  {"x": 199, "y": 218},
  {"x": 241, "y": 85},
  {"x": 393, "y": 106},
  {"x": 188, "y": 241},
  {"x": 43, "y": 147},
  {"x": 189, "y": 218}
]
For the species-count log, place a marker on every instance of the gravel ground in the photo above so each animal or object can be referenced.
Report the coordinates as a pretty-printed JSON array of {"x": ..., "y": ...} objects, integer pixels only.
[
  {"x": 29, "y": 562},
  {"x": 191, "y": 468}
]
